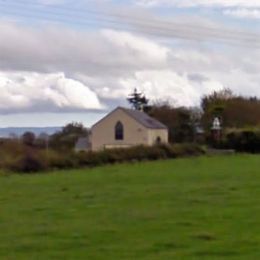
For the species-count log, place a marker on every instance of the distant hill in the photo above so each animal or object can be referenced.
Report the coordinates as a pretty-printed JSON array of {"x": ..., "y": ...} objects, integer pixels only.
[{"x": 7, "y": 131}]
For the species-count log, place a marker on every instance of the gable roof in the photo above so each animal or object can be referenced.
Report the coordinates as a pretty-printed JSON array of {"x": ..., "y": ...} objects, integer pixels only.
[
  {"x": 140, "y": 117},
  {"x": 144, "y": 119}
]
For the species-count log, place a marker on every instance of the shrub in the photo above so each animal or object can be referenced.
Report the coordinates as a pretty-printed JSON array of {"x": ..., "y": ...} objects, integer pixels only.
[
  {"x": 28, "y": 138},
  {"x": 155, "y": 153},
  {"x": 58, "y": 160},
  {"x": 169, "y": 150},
  {"x": 28, "y": 163},
  {"x": 137, "y": 153},
  {"x": 97, "y": 158},
  {"x": 187, "y": 149},
  {"x": 33, "y": 159},
  {"x": 243, "y": 141}
]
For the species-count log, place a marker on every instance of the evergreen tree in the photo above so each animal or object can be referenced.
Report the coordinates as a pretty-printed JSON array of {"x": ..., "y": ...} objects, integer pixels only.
[{"x": 137, "y": 100}]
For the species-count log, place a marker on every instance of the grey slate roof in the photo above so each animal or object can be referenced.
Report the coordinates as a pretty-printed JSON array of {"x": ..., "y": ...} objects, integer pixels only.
[
  {"x": 82, "y": 144},
  {"x": 144, "y": 119}
]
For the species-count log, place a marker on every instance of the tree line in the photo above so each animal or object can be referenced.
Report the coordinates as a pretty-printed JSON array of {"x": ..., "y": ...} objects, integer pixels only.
[{"x": 239, "y": 117}]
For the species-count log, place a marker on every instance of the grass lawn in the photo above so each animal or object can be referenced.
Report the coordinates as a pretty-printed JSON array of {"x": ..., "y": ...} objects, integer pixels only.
[{"x": 199, "y": 208}]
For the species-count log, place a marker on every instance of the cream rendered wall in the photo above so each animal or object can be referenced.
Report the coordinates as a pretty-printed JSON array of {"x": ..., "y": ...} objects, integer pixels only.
[
  {"x": 103, "y": 133},
  {"x": 153, "y": 134}
]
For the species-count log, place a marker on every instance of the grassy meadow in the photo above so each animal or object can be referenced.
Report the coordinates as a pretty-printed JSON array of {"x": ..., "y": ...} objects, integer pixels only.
[{"x": 197, "y": 208}]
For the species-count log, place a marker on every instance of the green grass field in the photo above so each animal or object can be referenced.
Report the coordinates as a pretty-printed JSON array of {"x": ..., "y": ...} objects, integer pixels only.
[{"x": 199, "y": 208}]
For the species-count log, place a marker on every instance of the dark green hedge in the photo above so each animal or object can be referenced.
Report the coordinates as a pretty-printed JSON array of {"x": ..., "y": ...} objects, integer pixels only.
[
  {"x": 34, "y": 161},
  {"x": 242, "y": 141}
]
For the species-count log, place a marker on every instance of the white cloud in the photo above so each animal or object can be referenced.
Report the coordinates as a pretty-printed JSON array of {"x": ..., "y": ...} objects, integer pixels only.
[
  {"x": 67, "y": 50},
  {"x": 202, "y": 3},
  {"x": 103, "y": 67},
  {"x": 167, "y": 85},
  {"x": 243, "y": 13},
  {"x": 138, "y": 47},
  {"x": 51, "y": 2},
  {"x": 27, "y": 91}
]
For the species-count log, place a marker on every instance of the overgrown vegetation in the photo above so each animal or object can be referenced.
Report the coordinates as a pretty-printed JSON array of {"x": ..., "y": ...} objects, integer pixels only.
[
  {"x": 32, "y": 159},
  {"x": 65, "y": 139},
  {"x": 242, "y": 140}
]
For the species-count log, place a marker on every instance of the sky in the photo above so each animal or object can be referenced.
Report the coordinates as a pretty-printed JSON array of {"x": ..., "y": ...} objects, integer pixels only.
[{"x": 64, "y": 60}]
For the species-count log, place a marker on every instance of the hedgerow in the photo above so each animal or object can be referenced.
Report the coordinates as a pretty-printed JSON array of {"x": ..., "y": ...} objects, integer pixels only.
[{"x": 29, "y": 160}]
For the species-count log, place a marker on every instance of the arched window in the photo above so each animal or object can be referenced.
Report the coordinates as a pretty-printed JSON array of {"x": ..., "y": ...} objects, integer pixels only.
[{"x": 119, "y": 131}]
